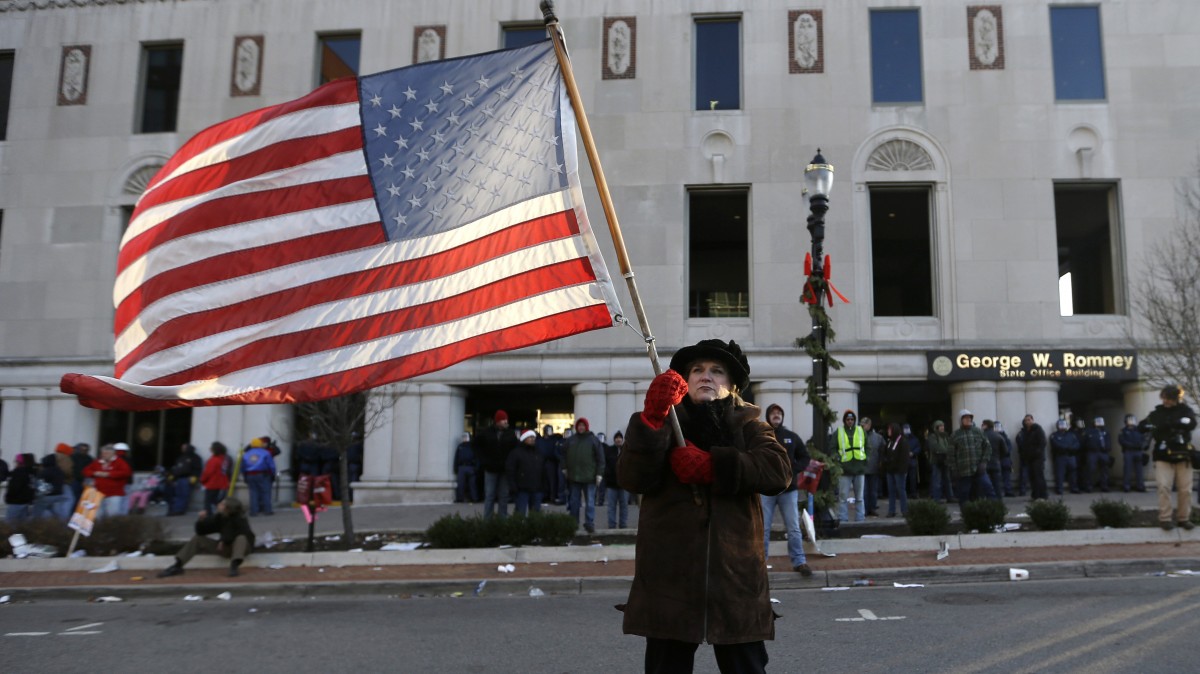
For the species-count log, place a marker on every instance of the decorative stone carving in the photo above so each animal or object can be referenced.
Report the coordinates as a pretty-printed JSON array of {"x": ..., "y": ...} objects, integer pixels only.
[
  {"x": 140, "y": 178},
  {"x": 806, "y": 41},
  {"x": 73, "y": 74},
  {"x": 985, "y": 31},
  {"x": 429, "y": 43},
  {"x": 246, "y": 79},
  {"x": 620, "y": 48},
  {"x": 900, "y": 155}
]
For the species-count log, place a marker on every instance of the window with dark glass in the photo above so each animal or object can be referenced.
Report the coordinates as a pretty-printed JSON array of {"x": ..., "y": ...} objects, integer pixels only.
[
  {"x": 338, "y": 56},
  {"x": 718, "y": 253},
  {"x": 1085, "y": 223},
  {"x": 718, "y": 63},
  {"x": 1078, "y": 53},
  {"x": 522, "y": 35},
  {"x": 6, "y": 76},
  {"x": 162, "y": 68},
  {"x": 896, "y": 56},
  {"x": 153, "y": 437},
  {"x": 901, "y": 250}
]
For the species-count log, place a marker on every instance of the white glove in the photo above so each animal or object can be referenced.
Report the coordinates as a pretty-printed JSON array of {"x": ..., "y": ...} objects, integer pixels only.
[
  {"x": 1185, "y": 420},
  {"x": 598, "y": 479}
]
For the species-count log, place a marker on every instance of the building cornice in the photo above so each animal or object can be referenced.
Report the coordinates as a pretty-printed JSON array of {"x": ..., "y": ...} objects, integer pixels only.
[{"x": 30, "y": 5}]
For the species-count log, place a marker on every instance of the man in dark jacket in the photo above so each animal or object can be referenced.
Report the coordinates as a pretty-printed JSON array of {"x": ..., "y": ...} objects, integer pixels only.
[
  {"x": 584, "y": 459},
  {"x": 183, "y": 475},
  {"x": 700, "y": 575},
  {"x": 1170, "y": 426},
  {"x": 523, "y": 469},
  {"x": 788, "y": 501},
  {"x": 998, "y": 449},
  {"x": 235, "y": 539},
  {"x": 1133, "y": 451},
  {"x": 465, "y": 465},
  {"x": 1095, "y": 444},
  {"x": 616, "y": 498},
  {"x": 1031, "y": 450},
  {"x": 1064, "y": 447},
  {"x": 549, "y": 445},
  {"x": 492, "y": 447},
  {"x": 968, "y": 458}
]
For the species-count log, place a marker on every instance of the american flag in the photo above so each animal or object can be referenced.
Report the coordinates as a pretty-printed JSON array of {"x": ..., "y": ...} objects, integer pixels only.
[{"x": 377, "y": 229}]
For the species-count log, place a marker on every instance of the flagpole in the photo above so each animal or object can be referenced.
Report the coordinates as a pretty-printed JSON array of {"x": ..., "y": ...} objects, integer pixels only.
[{"x": 610, "y": 213}]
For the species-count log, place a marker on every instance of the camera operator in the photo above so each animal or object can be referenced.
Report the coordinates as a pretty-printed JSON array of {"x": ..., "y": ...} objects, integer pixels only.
[{"x": 1170, "y": 427}]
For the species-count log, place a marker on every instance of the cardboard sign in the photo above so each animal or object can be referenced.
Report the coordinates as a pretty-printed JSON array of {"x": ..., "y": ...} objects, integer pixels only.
[{"x": 85, "y": 513}]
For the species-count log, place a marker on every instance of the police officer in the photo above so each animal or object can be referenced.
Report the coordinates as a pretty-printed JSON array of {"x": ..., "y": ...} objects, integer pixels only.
[
  {"x": 1133, "y": 453},
  {"x": 1064, "y": 446},
  {"x": 1095, "y": 443}
]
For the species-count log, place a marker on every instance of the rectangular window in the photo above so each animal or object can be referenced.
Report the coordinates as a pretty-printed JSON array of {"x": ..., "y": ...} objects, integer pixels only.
[
  {"x": 338, "y": 56},
  {"x": 522, "y": 35},
  {"x": 1085, "y": 223},
  {"x": 1078, "y": 53},
  {"x": 162, "y": 67},
  {"x": 896, "y": 56},
  {"x": 901, "y": 250},
  {"x": 718, "y": 63},
  {"x": 153, "y": 437},
  {"x": 718, "y": 253},
  {"x": 6, "y": 76}
]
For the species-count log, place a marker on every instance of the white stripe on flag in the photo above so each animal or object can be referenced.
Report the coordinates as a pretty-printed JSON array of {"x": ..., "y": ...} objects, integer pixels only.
[
  {"x": 374, "y": 351},
  {"x": 233, "y": 291},
  {"x": 190, "y": 354}
]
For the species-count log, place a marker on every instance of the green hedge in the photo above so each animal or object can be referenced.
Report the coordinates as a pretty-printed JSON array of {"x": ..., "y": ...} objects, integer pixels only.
[
  {"x": 110, "y": 536},
  {"x": 983, "y": 515},
  {"x": 456, "y": 531},
  {"x": 1048, "y": 515},
  {"x": 927, "y": 517},
  {"x": 1115, "y": 514}
]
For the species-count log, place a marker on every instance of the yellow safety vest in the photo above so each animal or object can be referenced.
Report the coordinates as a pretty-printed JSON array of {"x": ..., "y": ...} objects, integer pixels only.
[{"x": 851, "y": 450}]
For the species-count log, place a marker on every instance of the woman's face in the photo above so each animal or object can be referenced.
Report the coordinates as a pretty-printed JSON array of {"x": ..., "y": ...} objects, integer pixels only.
[{"x": 707, "y": 380}]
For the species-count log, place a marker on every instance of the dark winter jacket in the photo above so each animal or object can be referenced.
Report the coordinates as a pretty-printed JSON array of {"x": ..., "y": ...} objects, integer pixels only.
[
  {"x": 229, "y": 525},
  {"x": 492, "y": 447},
  {"x": 1131, "y": 439},
  {"x": 20, "y": 489},
  {"x": 998, "y": 448},
  {"x": 796, "y": 450},
  {"x": 969, "y": 452},
  {"x": 611, "y": 454},
  {"x": 1095, "y": 440},
  {"x": 895, "y": 456},
  {"x": 1064, "y": 443},
  {"x": 1031, "y": 443},
  {"x": 51, "y": 474},
  {"x": 464, "y": 456},
  {"x": 1171, "y": 432},
  {"x": 584, "y": 456},
  {"x": 524, "y": 468},
  {"x": 187, "y": 466},
  {"x": 700, "y": 574}
]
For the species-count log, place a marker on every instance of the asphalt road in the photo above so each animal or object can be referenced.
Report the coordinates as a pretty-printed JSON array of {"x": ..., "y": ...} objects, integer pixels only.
[{"x": 1097, "y": 626}]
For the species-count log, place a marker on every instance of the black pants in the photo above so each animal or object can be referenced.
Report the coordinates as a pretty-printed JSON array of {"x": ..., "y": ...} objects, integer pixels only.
[{"x": 666, "y": 656}]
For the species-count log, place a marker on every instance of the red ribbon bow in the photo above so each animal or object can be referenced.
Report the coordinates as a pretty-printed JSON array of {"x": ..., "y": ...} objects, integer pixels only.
[{"x": 810, "y": 294}]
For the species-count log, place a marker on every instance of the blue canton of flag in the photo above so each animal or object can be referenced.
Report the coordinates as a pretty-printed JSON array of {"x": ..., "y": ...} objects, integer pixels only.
[{"x": 450, "y": 141}]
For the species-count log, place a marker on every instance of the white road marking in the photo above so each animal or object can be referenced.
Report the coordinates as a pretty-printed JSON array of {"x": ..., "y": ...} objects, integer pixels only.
[
  {"x": 82, "y": 627},
  {"x": 868, "y": 615},
  {"x": 26, "y": 634}
]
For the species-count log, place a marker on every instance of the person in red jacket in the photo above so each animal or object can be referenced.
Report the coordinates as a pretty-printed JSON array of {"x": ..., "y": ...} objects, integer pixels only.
[
  {"x": 215, "y": 478},
  {"x": 109, "y": 475}
]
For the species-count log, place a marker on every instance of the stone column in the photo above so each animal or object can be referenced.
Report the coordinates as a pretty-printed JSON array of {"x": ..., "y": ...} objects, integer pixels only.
[
  {"x": 977, "y": 396},
  {"x": 1041, "y": 400},
  {"x": 37, "y": 421},
  {"x": 1140, "y": 398},
  {"x": 801, "y": 416},
  {"x": 775, "y": 392},
  {"x": 843, "y": 395},
  {"x": 591, "y": 403},
  {"x": 1010, "y": 405},
  {"x": 391, "y": 458},
  {"x": 621, "y": 405},
  {"x": 377, "y": 454},
  {"x": 435, "y": 450},
  {"x": 205, "y": 422}
]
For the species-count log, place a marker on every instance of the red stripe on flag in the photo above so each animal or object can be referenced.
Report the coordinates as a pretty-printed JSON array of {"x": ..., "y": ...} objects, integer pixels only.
[
  {"x": 199, "y": 324},
  {"x": 243, "y": 208},
  {"x": 245, "y": 261},
  {"x": 275, "y": 157},
  {"x": 335, "y": 93},
  {"x": 326, "y": 337},
  {"x": 98, "y": 394}
]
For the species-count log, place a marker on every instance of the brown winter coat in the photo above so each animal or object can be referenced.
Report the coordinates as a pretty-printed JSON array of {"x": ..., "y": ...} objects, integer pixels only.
[{"x": 700, "y": 575}]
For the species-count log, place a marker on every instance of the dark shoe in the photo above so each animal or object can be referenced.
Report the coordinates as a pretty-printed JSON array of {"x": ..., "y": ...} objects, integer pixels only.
[
  {"x": 175, "y": 569},
  {"x": 233, "y": 568},
  {"x": 1187, "y": 525},
  {"x": 1167, "y": 526},
  {"x": 589, "y": 528},
  {"x": 803, "y": 570}
]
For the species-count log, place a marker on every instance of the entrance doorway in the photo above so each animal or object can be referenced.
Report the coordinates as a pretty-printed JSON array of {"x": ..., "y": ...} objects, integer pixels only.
[{"x": 528, "y": 406}]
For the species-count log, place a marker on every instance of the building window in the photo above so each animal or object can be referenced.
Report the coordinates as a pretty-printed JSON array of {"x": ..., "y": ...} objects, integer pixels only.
[
  {"x": 718, "y": 63},
  {"x": 896, "y": 56},
  {"x": 718, "y": 253},
  {"x": 522, "y": 35},
  {"x": 1086, "y": 226},
  {"x": 162, "y": 66},
  {"x": 1078, "y": 53},
  {"x": 6, "y": 76},
  {"x": 901, "y": 250},
  {"x": 153, "y": 437},
  {"x": 338, "y": 56}
]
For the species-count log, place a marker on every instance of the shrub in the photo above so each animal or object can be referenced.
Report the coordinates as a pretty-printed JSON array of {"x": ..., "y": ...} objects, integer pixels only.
[
  {"x": 455, "y": 531},
  {"x": 983, "y": 515},
  {"x": 110, "y": 536},
  {"x": 927, "y": 517},
  {"x": 1049, "y": 515},
  {"x": 1115, "y": 514}
]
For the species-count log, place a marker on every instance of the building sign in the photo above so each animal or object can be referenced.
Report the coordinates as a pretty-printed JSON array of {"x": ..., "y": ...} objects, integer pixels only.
[{"x": 1059, "y": 365}]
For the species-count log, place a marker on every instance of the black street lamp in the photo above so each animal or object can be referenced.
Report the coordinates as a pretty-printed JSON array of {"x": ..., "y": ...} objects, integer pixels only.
[{"x": 818, "y": 181}]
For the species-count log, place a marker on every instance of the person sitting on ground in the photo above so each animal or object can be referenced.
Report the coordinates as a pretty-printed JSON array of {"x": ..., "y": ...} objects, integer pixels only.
[{"x": 235, "y": 539}]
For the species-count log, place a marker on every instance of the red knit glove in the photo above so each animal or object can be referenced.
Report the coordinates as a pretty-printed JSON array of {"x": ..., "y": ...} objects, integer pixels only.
[
  {"x": 665, "y": 391},
  {"x": 692, "y": 465}
]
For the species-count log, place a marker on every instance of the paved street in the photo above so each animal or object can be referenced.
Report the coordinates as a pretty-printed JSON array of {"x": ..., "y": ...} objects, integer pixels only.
[{"x": 1096, "y": 626}]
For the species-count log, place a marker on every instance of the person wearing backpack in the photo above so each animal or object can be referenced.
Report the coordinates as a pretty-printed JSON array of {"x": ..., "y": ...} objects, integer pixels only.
[{"x": 215, "y": 478}]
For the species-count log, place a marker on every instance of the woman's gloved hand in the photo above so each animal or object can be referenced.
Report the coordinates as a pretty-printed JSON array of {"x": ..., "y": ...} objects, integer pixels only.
[
  {"x": 665, "y": 391},
  {"x": 692, "y": 465}
]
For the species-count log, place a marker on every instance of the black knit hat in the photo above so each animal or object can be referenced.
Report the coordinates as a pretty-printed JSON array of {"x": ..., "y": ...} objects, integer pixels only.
[{"x": 730, "y": 354}]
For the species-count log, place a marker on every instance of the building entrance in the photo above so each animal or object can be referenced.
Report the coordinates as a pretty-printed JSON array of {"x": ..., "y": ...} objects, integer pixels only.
[{"x": 528, "y": 406}]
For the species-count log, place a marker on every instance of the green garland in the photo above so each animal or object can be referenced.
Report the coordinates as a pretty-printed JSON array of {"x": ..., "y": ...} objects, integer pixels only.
[{"x": 826, "y": 497}]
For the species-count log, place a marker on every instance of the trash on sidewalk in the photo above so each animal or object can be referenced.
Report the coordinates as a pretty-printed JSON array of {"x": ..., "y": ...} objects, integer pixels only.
[
  {"x": 456, "y": 594},
  {"x": 107, "y": 568},
  {"x": 1159, "y": 574},
  {"x": 267, "y": 540},
  {"x": 194, "y": 597},
  {"x": 536, "y": 592},
  {"x": 506, "y": 568},
  {"x": 479, "y": 588},
  {"x": 5, "y": 599},
  {"x": 943, "y": 551},
  {"x": 895, "y": 584},
  {"x": 834, "y": 589},
  {"x": 79, "y": 553},
  {"x": 135, "y": 578},
  {"x": 225, "y": 596},
  {"x": 875, "y": 536},
  {"x": 1018, "y": 574},
  {"x": 553, "y": 563},
  {"x": 863, "y": 582},
  {"x": 1184, "y": 572},
  {"x": 400, "y": 546},
  {"x": 602, "y": 560},
  {"x": 253, "y": 610},
  {"x": 355, "y": 550},
  {"x": 334, "y": 538},
  {"x": 775, "y": 601},
  {"x": 135, "y": 553},
  {"x": 107, "y": 600},
  {"x": 372, "y": 537},
  {"x": 1012, "y": 526},
  {"x": 277, "y": 566},
  {"x": 21, "y": 548}
]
